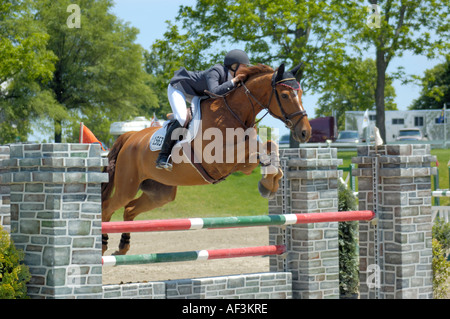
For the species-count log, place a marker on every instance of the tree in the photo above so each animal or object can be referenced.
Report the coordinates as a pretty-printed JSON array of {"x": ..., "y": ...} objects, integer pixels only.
[
  {"x": 291, "y": 31},
  {"x": 420, "y": 27},
  {"x": 353, "y": 90},
  {"x": 171, "y": 53},
  {"x": 100, "y": 67},
  {"x": 435, "y": 88},
  {"x": 24, "y": 59}
]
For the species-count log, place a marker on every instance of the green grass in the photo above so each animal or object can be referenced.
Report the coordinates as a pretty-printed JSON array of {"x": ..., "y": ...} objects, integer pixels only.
[{"x": 238, "y": 195}]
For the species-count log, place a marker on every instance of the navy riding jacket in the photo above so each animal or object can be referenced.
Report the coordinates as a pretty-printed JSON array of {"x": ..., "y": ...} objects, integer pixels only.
[{"x": 194, "y": 83}]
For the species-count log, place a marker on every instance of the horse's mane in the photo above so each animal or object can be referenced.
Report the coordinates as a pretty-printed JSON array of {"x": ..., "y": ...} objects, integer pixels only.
[{"x": 255, "y": 70}]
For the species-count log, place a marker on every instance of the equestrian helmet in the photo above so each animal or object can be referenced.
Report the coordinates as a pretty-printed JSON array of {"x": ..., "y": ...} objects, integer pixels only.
[{"x": 236, "y": 56}]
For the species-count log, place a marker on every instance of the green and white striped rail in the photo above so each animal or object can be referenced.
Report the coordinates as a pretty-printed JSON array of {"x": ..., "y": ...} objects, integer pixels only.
[
  {"x": 441, "y": 193},
  {"x": 121, "y": 260}
]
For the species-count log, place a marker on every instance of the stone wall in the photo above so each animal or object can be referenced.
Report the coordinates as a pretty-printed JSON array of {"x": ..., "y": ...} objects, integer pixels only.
[
  {"x": 56, "y": 216},
  {"x": 309, "y": 186},
  {"x": 55, "y": 192},
  {"x": 403, "y": 225},
  {"x": 246, "y": 286},
  {"x": 5, "y": 216}
]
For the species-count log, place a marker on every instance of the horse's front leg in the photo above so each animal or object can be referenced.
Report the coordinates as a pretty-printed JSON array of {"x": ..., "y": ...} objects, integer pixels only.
[{"x": 270, "y": 170}]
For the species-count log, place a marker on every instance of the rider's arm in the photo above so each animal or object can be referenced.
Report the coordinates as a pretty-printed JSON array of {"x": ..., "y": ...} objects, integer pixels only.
[{"x": 214, "y": 86}]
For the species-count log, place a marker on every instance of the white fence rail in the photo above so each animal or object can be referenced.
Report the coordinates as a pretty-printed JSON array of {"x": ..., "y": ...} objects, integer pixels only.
[{"x": 442, "y": 211}]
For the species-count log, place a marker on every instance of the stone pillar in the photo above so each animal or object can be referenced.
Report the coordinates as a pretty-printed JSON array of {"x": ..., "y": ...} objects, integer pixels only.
[
  {"x": 310, "y": 186},
  {"x": 5, "y": 215},
  {"x": 56, "y": 216},
  {"x": 403, "y": 225}
]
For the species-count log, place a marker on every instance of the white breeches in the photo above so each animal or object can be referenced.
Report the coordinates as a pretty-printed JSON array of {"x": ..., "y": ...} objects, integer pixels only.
[{"x": 177, "y": 102}]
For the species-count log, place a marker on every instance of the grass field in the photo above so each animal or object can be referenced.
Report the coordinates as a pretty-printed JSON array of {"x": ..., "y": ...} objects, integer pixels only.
[{"x": 238, "y": 195}]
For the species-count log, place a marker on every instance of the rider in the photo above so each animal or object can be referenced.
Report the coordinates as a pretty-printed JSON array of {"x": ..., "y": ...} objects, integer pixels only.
[{"x": 185, "y": 85}]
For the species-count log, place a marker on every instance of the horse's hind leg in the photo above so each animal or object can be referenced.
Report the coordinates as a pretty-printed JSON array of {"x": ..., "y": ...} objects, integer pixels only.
[
  {"x": 121, "y": 197},
  {"x": 154, "y": 195}
]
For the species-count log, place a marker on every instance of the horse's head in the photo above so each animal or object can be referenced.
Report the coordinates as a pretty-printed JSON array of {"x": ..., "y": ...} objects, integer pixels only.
[{"x": 287, "y": 106}]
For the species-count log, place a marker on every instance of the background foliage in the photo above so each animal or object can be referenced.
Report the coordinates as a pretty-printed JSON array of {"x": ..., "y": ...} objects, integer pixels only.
[{"x": 13, "y": 274}]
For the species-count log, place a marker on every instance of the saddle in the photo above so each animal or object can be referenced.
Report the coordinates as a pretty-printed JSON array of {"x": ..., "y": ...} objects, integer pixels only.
[{"x": 192, "y": 125}]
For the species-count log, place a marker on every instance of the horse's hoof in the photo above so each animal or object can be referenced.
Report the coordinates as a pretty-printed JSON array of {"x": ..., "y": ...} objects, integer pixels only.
[
  {"x": 266, "y": 193},
  {"x": 272, "y": 195},
  {"x": 118, "y": 253}
]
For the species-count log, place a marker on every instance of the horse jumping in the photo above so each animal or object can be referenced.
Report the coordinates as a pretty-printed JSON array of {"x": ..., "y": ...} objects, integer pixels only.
[{"x": 132, "y": 163}]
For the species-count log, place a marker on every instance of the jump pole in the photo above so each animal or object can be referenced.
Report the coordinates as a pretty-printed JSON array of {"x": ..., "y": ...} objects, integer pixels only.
[
  {"x": 192, "y": 255},
  {"x": 441, "y": 193},
  {"x": 226, "y": 222}
]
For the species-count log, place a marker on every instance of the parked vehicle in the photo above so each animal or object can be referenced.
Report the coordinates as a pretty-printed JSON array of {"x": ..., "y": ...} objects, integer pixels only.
[
  {"x": 410, "y": 134},
  {"x": 348, "y": 137},
  {"x": 284, "y": 141},
  {"x": 323, "y": 129}
]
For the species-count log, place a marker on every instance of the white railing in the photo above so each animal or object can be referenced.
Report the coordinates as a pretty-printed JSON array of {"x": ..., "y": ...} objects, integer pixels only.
[{"x": 442, "y": 211}]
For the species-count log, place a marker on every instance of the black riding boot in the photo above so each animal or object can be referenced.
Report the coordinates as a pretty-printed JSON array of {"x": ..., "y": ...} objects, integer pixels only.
[{"x": 163, "y": 158}]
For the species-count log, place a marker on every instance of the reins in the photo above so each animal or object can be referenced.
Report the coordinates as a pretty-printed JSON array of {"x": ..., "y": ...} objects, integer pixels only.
[{"x": 286, "y": 119}]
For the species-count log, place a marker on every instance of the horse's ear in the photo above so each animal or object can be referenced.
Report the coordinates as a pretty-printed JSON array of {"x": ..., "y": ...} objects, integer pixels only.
[
  {"x": 295, "y": 69},
  {"x": 280, "y": 73}
]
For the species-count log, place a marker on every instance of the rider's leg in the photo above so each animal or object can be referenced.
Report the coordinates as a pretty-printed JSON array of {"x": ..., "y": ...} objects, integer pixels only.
[
  {"x": 177, "y": 102},
  {"x": 166, "y": 149}
]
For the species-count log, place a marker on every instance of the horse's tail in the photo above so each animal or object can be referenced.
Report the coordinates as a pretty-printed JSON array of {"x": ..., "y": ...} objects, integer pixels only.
[{"x": 111, "y": 168}]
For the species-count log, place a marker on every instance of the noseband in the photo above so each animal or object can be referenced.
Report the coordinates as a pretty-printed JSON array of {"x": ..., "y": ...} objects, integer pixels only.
[{"x": 285, "y": 118}]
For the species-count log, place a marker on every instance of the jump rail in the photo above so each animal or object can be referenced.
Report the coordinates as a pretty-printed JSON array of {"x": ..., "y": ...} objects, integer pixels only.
[
  {"x": 441, "y": 193},
  {"x": 228, "y": 222},
  {"x": 193, "y": 255}
]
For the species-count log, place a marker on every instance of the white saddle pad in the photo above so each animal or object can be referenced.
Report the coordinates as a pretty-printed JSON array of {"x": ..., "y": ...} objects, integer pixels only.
[{"x": 157, "y": 139}]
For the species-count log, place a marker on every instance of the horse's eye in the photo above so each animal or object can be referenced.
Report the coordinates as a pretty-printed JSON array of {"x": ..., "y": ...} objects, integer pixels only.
[{"x": 284, "y": 96}]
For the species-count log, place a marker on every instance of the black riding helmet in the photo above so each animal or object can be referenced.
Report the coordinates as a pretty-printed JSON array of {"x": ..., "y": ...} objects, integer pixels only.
[{"x": 236, "y": 56}]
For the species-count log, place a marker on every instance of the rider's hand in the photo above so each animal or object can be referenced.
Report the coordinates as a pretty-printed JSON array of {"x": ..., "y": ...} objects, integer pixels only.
[{"x": 239, "y": 78}]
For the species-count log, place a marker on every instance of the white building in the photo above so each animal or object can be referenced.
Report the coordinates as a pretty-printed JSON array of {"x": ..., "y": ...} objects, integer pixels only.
[
  {"x": 139, "y": 123},
  {"x": 426, "y": 120}
]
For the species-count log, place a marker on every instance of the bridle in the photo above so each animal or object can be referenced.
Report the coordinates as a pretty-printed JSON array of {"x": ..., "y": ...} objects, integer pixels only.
[{"x": 285, "y": 118}]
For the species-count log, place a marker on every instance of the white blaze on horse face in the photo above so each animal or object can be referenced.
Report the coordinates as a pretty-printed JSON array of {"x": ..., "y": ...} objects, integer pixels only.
[{"x": 297, "y": 96}]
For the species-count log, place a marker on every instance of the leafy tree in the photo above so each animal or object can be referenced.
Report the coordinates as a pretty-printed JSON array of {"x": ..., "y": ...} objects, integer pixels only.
[
  {"x": 419, "y": 27},
  {"x": 271, "y": 32},
  {"x": 23, "y": 60},
  {"x": 353, "y": 90},
  {"x": 167, "y": 55},
  {"x": 99, "y": 69},
  {"x": 435, "y": 88}
]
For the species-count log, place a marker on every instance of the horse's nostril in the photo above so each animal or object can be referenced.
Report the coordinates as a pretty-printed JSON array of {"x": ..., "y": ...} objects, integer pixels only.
[{"x": 304, "y": 134}]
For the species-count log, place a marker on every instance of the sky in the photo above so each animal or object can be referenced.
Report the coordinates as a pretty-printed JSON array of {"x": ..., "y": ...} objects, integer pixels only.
[{"x": 149, "y": 17}]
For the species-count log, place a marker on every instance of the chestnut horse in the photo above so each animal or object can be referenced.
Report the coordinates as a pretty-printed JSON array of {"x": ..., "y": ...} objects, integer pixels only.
[{"x": 132, "y": 163}]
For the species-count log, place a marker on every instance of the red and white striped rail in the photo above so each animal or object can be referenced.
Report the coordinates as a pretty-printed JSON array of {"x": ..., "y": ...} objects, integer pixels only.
[{"x": 226, "y": 222}]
